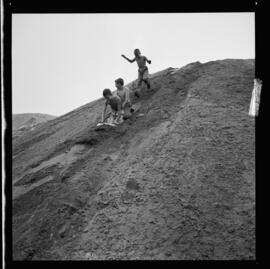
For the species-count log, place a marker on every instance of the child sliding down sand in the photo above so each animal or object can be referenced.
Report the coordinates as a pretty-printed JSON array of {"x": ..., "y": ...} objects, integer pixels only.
[
  {"x": 123, "y": 93},
  {"x": 115, "y": 117}
]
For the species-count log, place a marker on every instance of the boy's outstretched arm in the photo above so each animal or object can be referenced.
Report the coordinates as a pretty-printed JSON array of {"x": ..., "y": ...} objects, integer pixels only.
[
  {"x": 147, "y": 60},
  {"x": 131, "y": 61}
]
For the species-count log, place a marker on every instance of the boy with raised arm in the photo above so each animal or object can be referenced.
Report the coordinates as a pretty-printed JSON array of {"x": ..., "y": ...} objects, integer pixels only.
[{"x": 143, "y": 74}]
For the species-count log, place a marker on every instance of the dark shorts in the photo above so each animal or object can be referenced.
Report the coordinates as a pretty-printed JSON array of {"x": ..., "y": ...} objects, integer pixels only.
[{"x": 143, "y": 73}]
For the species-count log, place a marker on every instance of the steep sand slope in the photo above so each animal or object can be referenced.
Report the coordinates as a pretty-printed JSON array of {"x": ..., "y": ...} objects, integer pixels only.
[
  {"x": 25, "y": 121},
  {"x": 176, "y": 183},
  {"x": 19, "y": 120}
]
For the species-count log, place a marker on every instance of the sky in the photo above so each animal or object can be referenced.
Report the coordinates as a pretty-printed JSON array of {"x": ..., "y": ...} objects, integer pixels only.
[{"x": 63, "y": 61}]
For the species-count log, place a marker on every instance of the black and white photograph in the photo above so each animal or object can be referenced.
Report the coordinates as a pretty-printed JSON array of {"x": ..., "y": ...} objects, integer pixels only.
[{"x": 133, "y": 136}]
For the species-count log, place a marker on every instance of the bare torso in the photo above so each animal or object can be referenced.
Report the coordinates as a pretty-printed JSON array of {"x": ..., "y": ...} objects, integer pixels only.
[
  {"x": 141, "y": 61},
  {"x": 114, "y": 102},
  {"x": 123, "y": 94}
]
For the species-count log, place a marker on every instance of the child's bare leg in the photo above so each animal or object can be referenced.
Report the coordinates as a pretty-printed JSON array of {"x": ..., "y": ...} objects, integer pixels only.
[
  {"x": 111, "y": 118},
  {"x": 139, "y": 84},
  {"x": 106, "y": 117},
  {"x": 147, "y": 82},
  {"x": 127, "y": 112}
]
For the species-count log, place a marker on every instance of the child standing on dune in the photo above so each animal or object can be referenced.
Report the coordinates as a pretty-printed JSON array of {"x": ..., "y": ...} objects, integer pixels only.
[{"x": 143, "y": 74}]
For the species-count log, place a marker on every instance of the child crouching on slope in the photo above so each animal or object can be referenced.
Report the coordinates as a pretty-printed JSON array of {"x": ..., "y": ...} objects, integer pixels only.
[
  {"x": 124, "y": 94},
  {"x": 116, "y": 108}
]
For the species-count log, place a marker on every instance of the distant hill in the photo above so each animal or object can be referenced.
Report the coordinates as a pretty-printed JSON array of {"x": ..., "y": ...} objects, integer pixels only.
[
  {"x": 26, "y": 121},
  {"x": 175, "y": 181}
]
